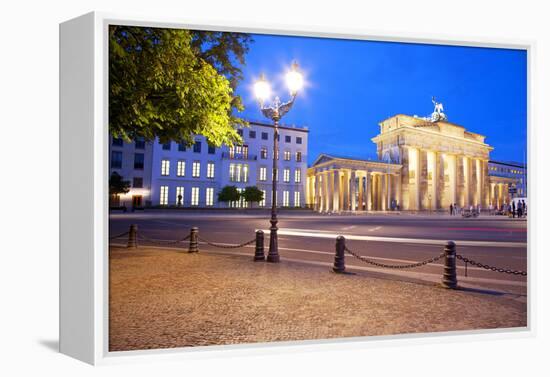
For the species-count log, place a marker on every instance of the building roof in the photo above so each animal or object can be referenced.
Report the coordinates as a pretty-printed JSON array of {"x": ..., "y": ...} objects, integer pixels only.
[
  {"x": 509, "y": 163},
  {"x": 326, "y": 157},
  {"x": 281, "y": 126}
]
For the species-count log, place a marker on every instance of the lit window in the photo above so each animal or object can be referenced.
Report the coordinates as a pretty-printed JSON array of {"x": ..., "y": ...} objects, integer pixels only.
[
  {"x": 286, "y": 175},
  {"x": 210, "y": 170},
  {"x": 297, "y": 176},
  {"x": 276, "y": 154},
  {"x": 263, "y": 153},
  {"x": 163, "y": 195},
  {"x": 287, "y": 155},
  {"x": 165, "y": 167},
  {"x": 194, "y": 196},
  {"x": 298, "y": 156},
  {"x": 196, "y": 169},
  {"x": 262, "y": 202},
  {"x": 235, "y": 172},
  {"x": 181, "y": 169},
  {"x": 296, "y": 198},
  {"x": 263, "y": 173},
  {"x": 285, "y": 198},
  {"x": 180, "y": 190},
  {"x": 245, "y": 173},
  {"x": 209, "y": 196}
]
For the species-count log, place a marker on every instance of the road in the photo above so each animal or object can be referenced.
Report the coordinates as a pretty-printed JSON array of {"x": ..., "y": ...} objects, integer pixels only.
[{"x": 389, "y": 239}]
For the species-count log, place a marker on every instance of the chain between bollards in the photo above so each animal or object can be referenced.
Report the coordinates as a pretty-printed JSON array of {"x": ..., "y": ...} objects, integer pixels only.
[
  {"x": 194, "y": 240},
  {"x": 132, "y": 237},
  {"x": 259, "y": 254},
  {"x": 339, "y": 257},
  {"x": 449, "y": 269}
]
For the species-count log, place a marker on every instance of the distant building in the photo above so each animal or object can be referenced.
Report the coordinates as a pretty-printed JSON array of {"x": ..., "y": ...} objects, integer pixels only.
[
  {"x": 175, "y": 174},
  {"x": 423, "y": 164},
  {"x": 514, "y": 172}
]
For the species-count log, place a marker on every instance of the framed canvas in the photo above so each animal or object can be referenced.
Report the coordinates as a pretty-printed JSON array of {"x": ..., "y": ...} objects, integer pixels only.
[{"x": 244, "y": 189}]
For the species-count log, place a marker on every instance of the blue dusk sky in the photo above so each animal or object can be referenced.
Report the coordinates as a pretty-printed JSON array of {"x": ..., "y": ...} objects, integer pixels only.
[{"x": 353, "y": 85}]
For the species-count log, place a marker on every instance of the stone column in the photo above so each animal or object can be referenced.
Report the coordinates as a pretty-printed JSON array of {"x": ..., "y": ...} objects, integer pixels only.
[
  {"x": 414, "y": 190},
  {"x": 345, "y": 191},
  {"x": 432, "y": 171},
  {"x": 467, "y": 183},
  {"x": 360, "y": 191},
  {"x": 479, "y": 182},
  {"x": 452, "y": 178},
  {"x": 317, "y": 189},
  {"x": 325, "y": 191},
  {"x": 368, "y": 191},
  {"x": 330, "y": 185},
  {"x": 398, "y": 183},
  {"x": 336, "y": 191},
  {"x": 383, "y": 191},
  {"x": 352, "y": 191},
  {"x": 389, "y": 193}
]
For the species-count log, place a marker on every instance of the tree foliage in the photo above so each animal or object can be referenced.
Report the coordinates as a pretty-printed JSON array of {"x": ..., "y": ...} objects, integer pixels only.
[
  {"x": 229, "y": 194},
  {"x": 253, "y": 194},
  {"x": 174, "y": 84},
  {"x": 118, "y": 186}
]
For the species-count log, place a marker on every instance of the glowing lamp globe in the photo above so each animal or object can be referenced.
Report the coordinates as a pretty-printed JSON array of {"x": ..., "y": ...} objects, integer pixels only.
[
  {"x": 294, "y": 79},
  {"x": 262, "y": 90}
]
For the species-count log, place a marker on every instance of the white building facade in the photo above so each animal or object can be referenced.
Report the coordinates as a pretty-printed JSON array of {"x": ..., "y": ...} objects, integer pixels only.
[
  {"x": 512, "y": 170},
  {"x": 193, "y": 175}
]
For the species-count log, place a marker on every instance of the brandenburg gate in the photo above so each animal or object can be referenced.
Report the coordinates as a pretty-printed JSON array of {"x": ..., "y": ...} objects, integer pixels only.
[{"x": 422, "y": 164}]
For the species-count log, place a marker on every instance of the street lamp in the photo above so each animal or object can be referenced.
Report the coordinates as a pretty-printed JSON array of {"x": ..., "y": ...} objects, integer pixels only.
[{"x": 262, "y": 89}]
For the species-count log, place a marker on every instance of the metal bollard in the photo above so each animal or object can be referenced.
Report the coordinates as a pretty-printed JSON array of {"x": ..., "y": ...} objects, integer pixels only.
[
  {"x": 259, "y": 254},
  {"x": 449, "y": 269},
  {"x": 339, "y": 263},
  {"x": 132, "y": 237},
  {"x": 194, "y": 240}
]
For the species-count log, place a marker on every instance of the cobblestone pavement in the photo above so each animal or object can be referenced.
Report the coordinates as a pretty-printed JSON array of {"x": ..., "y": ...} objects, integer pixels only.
[{"x": 163, "y": 299}]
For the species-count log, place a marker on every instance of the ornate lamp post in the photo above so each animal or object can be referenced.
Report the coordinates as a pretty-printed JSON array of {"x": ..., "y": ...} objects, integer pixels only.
[{"x": 275, "y": 112}]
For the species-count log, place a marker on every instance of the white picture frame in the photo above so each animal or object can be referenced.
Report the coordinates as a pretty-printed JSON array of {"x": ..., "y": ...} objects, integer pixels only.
[{"x": 84, "y": 181}]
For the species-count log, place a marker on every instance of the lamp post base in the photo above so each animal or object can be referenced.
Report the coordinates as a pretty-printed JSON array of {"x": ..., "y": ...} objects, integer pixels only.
[{"x": 273, "y": 255}]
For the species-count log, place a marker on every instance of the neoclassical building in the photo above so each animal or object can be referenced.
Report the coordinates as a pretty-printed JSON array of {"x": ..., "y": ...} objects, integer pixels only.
[{"x": 422, "y": 164}]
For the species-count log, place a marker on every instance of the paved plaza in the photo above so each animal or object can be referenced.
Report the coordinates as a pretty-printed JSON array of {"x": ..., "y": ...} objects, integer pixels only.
[
  {"x": 168, "y": 298},
  {"x": 386, "y": 238}
]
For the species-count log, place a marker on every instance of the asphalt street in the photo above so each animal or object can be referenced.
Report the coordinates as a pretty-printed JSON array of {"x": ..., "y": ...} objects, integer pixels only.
[{"x": 391, "y": 239}]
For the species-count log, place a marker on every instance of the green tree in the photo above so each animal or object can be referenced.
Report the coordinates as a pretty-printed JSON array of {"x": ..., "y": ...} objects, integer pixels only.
[
  {"x": 174, "y": 83},
  {"x": 253, "y": 194},
  {"x": 117, "y": 186},
  {"x": 229, "y": 194}
]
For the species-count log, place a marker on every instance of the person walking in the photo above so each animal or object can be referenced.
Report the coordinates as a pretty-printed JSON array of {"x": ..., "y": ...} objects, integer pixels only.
[
  {"x": 451, "y": 211},
  {"x": 520, "y": 209},
  {"x": 524, "y": 207},
  {"x": 514, "y": 209}
]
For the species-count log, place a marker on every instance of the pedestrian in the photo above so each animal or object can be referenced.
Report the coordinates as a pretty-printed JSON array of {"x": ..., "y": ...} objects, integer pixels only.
[
  {"x": 514, "y": 209},
  {"x": 455, "y": 209},
  {"x": 524, "y": 206},
  {"x": 451, "y": 210},
  {"x": 520, "y": 209}
]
